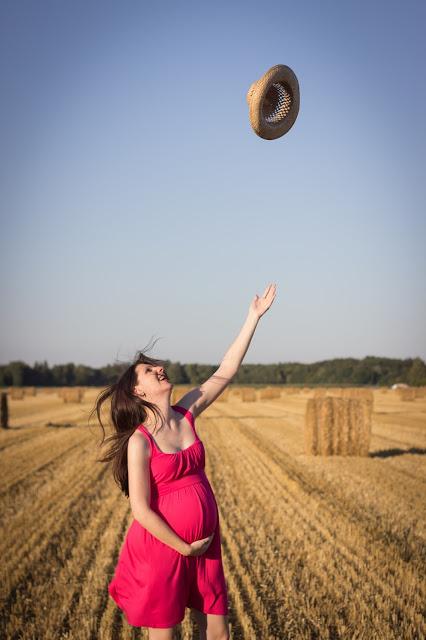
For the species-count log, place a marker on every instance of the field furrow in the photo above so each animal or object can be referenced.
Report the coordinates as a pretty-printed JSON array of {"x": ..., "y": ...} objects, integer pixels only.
[
  {"x": 406, "y": 543},
  {"x": 347, "y": 556},
  {"x": 403, "y": 496},
  {"x": 51, "y": 499},
  {"x": 58, "y": 545},
  {"x": 39, "y": 523},
  {"x": 288, "y": 535},
  {"x": 38, "y": 452}
]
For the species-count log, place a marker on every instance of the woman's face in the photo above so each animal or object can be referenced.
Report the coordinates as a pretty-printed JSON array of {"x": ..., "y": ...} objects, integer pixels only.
[{"x": 152, "y": 382}]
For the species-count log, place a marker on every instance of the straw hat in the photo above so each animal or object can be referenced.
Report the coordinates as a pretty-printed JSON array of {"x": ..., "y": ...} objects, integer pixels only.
[{"x": 273, "y": 102}]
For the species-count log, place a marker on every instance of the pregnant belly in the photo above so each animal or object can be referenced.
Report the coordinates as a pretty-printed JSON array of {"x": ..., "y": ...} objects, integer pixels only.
[{"x": 190, "y": 511}]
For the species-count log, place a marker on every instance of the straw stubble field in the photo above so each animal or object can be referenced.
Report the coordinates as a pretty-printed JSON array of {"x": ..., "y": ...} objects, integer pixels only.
[{"x": 313, "y": 546}]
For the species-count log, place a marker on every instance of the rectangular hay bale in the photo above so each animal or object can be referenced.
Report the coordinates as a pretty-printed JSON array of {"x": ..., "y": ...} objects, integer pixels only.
[{"x": 338, "y": 426}]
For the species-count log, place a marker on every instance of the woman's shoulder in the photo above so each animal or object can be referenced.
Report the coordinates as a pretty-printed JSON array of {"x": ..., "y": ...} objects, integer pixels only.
[{"x": 140, "y": 438}]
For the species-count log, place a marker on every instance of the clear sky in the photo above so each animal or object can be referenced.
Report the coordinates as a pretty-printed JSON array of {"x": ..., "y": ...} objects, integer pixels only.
[{"x": 137, "y": 202}]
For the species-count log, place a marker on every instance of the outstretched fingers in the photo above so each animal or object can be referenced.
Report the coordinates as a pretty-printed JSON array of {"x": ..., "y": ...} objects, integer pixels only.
[{"x": 270, "y": 290}]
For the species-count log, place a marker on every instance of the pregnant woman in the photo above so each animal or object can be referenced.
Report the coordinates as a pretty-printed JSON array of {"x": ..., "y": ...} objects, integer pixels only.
[{"x": 171, "y": 557}]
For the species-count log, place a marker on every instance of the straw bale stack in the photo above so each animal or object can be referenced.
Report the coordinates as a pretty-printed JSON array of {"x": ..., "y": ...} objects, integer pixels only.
[
  {"x": 345, "y": 392},
  {"x": 16, "y": 393},
  {"x": 248, "y": 394},
  {"x": 71, "y": 394},
  {"x": 287, "y": 390},
  {"x": 338, "y": 426},
  {"x": 30, "y": 391},
  {"x": 406, "y": 394},
  {"x": 268, "y": 393},
  {"x": 224, "y": 396}
]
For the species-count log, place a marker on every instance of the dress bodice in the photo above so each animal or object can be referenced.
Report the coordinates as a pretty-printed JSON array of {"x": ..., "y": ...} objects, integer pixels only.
[{"x": 182, "y": 466}]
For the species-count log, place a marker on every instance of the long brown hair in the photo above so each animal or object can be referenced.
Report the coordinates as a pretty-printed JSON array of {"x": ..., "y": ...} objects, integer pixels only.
[{"x": 126, "y": 411}]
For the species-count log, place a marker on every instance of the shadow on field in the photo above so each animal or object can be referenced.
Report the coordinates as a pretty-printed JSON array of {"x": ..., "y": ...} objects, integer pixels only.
[
  {"x": 387, "y": 453},
  {"x": 60, "y": 425}
]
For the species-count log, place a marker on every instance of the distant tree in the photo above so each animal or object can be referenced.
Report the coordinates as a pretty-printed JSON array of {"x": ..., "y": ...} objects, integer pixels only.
[
  {"x": 192, "y": 374},
  {"x": 42, "y": 375},
  {"x": 177, "y": 373},
  {"x": 20, "y": 373},
  {"x": 371, "y": 370},
  {"x": 83, "y": 375},
  {"x": 416, "y": 375},
  {"x": 280, "y": 376},
  {"x": 64, "y": 374}
]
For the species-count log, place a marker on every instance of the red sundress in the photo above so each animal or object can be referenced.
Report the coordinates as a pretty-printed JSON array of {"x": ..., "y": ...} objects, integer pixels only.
[{"x": 153, "y": 583}]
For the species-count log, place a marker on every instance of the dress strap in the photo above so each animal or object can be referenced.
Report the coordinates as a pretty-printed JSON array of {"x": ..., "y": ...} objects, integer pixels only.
[{"x": 151, "y": 441}]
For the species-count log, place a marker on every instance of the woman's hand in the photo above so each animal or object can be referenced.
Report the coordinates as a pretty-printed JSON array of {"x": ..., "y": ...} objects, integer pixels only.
[
  {"x": 198, "y": 547},
  {"x": 259, "y": 306}
]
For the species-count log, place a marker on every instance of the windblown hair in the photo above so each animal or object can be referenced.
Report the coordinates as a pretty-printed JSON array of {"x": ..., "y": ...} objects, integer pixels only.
[{"x": 127, "y": 411}]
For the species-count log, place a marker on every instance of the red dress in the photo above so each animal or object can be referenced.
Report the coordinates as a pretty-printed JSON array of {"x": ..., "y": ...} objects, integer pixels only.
[{"x": 153, "y": 583}]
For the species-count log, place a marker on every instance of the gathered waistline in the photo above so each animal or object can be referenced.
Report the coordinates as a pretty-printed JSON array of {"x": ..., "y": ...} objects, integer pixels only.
[{"x": 179, "y": 483}]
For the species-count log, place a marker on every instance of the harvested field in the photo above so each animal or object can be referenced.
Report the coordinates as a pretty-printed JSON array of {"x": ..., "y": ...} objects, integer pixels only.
[{"x": 313, "y": 546}]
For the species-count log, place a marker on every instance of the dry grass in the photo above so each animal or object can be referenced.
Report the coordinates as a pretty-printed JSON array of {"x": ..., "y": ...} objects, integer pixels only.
[{"x": 313, "y": 546}]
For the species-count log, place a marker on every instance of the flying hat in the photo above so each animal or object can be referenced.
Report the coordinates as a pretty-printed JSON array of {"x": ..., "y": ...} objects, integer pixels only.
[{"x": 273, "y": 102}]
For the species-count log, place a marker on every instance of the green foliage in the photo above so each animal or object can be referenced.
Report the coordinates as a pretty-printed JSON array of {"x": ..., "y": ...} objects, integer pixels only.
[
  {"x": 417, "y": 373},
  {"x": 371, "y": 370}
]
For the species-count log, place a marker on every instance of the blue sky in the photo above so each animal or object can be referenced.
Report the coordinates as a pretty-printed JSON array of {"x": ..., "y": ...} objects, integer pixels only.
[{"x": 138, "y": 203}]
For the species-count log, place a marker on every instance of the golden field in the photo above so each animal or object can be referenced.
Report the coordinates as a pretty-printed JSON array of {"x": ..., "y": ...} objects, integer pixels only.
[{"x": 313, "y": 546}]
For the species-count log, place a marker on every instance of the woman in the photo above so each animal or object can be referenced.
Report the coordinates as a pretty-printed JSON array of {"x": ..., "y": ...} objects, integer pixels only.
[{"x": 171, "y": 556}]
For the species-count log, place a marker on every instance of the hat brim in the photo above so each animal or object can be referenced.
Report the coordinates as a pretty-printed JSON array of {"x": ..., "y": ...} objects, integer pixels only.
[{"x": 274, "y": 102}]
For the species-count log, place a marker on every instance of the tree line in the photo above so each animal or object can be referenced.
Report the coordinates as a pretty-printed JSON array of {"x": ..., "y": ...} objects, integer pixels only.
[{"x": 371, "y": 370}]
